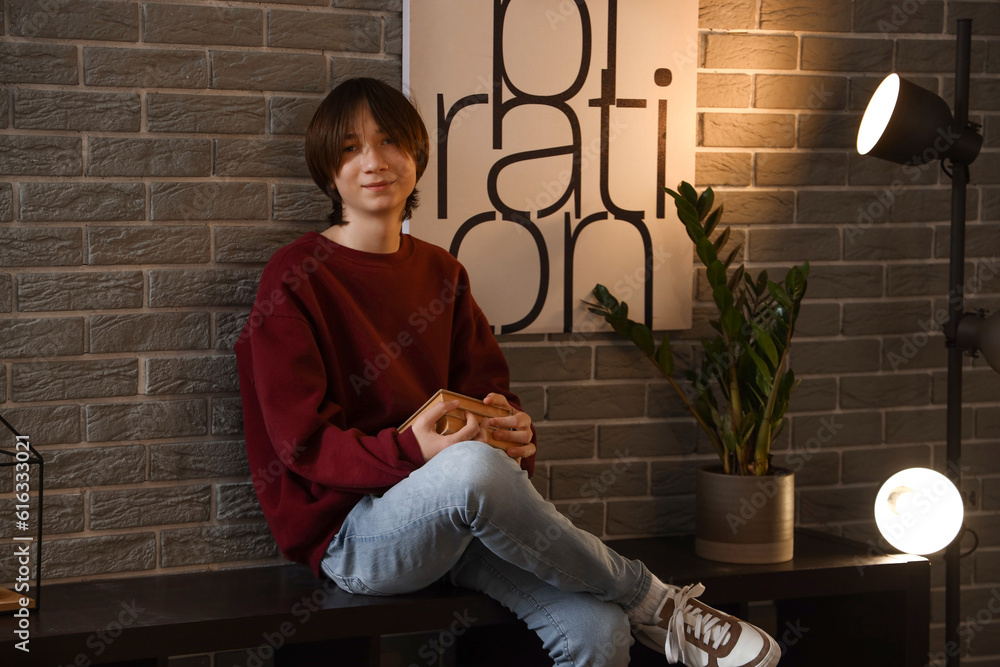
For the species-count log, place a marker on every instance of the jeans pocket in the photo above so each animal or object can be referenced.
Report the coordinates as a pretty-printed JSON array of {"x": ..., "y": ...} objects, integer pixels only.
[{"x": 355, "y": 586}]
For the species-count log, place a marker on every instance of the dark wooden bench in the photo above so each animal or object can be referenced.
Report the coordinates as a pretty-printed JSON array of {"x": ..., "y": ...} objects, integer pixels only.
[{"x": 832, "y": 589}]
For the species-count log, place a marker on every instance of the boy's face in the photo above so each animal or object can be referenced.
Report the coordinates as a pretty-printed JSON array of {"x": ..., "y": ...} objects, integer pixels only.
[{"x": 376, "y": 175}]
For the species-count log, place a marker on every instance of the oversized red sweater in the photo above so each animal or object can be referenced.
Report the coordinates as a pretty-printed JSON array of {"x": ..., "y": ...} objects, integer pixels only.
[{"x": 341, "y": 347}]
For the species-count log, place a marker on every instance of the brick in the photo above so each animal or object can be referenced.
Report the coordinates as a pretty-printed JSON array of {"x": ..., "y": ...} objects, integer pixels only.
[
  {"x": 826, "y": 506},
  {"x": 299, "y": 202},
  {"x": 44, "y": 337},
  {"x": 33, "y": 62},
  {"x": 846, "y": 55},
  {"x": 149, "y": 507},
  {"x": 4, "y": 106},
  {"x": 794, "y": 245},
  {"x": 979, "y": 385},
  {"x": 186, "y": 24},
  {"x": 5, "y": 293},
  {"x": 811, "y": 468},
  {"x": 717, "y": 169},
  {"x": 885, "y": 317},
  {"x": 663, "y": 402},
  {"x": 924, "y": 279},
  {"x": 605, "y": 401},
  {"x": 557, "y": 442},
  {"x": 63, "y": 513},
  {"x": 357, "y": 33},
  {"x": 987, "y": 422},
  {"x": 268, "y": 71},
  {"x": 144, "y": 68},
  {"x": 758, "y": 206},
  {"x": 65, "y": 110},
  {"x": 814, "y": 395},
  {"x": 69, "y": 380},
  {"x": 394, "y": 35},
  {"x": 79, "y": 291},
  {"x": 81, "y": 202},
  {"x": 750, "y": 52},
  {"x": 228, "y": 327},
  {"x": 890, "y": 19},
  {"x": 837, "y": 206},
  {"x": 922, "y": 425},
  {"x": 145, "y": 420},
  {"x": 882, "y": 391},
  {"x": 48, "y": 425},
  {"x": 215, "y": 114},
  {"x": 677, "y": 478},
  {"x": 90, "y": 556},
  {"x": 150, "y": 331},
  {"x": 116, "y": 156},
  {"x": 191, "y": 287},
  {"x": 216, "y": 544},
  {"x": 811, "y": 168},
  {"x": 378, "y": 5},
  {"x": 227, "y": 416},
  {"x": 197, "y": 460},
  {"x": 162, "y": 244},
  {"x": 865, "y": 170},
  {"x": 551, "y": 364},
  {"x": 191, "y": 375},
  {"x": 727, "y": 14},
  {"x": 828, "y": 131},
  {"x": 343, "y": 68},
  {"x": 291, "y": 115},
  {"x": 914, "y": 350},
  {"x": 617, "y": 362},
  {"x": 95, "y": 466},
  {"x": 599, "y": 480},
  {"x": 806, "y": 15},
  {"x": 935, "y": 55},
  {"x": 237, "y": 501},
  {"x": 6, "y": 202},
  {"x": 72, "y": 19},
  {"x": 724, "y": 90},
  {"x": 834, "y": 357},
  {"x": 926, "y": 204},
  {"x": 747, "y": 130},
  {"x": 814, "y": 432},
  {"x": 887, "y": 243},
  {"x": 260, "y": 157},
  {"x": 991, "y": 204},
  {"x": 780, "y": 91},
  {"x": 818, "y": 319},
  {"x": 980, "y": 457},
  {"x": 670, "y": 515},
  {"x": 40, "y": 155},
  {"x": 647, "y": 439},
  {"x": 208, "y": 201}
]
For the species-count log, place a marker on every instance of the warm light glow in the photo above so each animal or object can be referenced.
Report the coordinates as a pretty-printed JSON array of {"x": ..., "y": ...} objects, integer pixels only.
[
  {"x": 878, "y": 113},
  {"x": 919, "y": 511}
]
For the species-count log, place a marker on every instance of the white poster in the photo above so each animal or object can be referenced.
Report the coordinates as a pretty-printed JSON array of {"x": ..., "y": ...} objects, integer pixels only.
[{"x": 554, "y": 124}]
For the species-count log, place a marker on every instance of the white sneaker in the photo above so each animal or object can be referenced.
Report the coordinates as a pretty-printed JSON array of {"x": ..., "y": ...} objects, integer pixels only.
[{"x": 699, "y": 636}]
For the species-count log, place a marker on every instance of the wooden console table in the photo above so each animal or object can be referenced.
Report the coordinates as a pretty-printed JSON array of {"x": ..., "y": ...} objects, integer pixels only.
[{"x": 837, "y": 602}]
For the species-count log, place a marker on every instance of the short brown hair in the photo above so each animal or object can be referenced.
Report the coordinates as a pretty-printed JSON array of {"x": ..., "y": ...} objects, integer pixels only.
[{"x": 335, "y": 119}]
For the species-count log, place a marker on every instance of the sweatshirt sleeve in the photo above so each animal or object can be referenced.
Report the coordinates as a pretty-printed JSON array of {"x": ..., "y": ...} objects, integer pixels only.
[
  {"x": 478, "y": 366},
  {"x": 289, "y": 379}
]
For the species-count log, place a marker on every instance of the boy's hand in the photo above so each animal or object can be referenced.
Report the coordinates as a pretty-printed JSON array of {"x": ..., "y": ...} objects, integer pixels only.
[
  {"x": 431, "y": 442},
  {"x": 515, "y": 429}
]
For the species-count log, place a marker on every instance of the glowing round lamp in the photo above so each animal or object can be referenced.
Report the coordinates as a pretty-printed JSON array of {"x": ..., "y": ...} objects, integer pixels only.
[
  {"x": 919, "y": 511},
  {"x": 907, "y": 124}
]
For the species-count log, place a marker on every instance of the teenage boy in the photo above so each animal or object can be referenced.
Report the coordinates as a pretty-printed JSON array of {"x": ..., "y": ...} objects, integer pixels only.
[{"x": 353, "y": 329}]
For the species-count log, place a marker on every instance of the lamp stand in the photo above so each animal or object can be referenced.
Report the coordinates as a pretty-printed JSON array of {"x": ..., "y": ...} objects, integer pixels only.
[{"x": 956, "y": 308}]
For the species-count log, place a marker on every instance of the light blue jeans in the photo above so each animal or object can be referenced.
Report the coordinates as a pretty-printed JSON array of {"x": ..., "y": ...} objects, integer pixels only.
[{"x": 471, "y": 514}]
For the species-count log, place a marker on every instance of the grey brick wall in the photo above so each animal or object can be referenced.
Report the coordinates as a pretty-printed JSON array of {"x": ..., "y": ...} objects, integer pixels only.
[{"x": 150, "y": 163}]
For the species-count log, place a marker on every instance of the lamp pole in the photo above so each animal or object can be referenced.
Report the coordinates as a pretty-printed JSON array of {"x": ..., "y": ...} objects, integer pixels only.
[{"x": 956, "y": 308}]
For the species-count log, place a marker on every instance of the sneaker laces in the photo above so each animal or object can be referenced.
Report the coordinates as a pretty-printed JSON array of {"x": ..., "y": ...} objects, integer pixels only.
[{"x": 705, "y": 627}]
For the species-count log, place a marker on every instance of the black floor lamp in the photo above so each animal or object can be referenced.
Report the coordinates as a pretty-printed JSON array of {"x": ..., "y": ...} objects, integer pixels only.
[{"x": 909, "y": 125}]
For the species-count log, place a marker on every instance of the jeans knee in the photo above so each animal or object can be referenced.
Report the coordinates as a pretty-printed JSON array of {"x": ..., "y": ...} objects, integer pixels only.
[
  {"x": 475, "y": 464},
  {"x": 602, "y": 636}
]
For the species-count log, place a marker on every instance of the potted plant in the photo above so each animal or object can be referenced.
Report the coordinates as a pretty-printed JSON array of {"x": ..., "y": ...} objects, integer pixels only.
[{"x": 738, "y": 393}]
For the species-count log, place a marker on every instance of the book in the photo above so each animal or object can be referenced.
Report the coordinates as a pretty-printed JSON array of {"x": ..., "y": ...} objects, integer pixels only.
[{"x": 454, "y": 421}]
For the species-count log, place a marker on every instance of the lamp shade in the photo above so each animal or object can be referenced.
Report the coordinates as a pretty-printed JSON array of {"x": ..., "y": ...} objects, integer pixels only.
[
  {"x": 919, "y": 511},
  {"x": 978, "y": 333},
  {"x": 907, "y": 124}
]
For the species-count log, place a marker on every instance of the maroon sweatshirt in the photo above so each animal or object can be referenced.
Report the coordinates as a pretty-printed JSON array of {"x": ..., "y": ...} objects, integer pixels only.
[{"x": 340, "y": 348}]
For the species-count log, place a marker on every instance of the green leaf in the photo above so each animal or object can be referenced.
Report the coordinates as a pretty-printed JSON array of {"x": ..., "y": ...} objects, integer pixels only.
[
  {"x": 762, "y": 368},
  {"x": 605, "y": 298},
  {"x": 780, "y": 295},
  {"x": 705, "y": 202},
  {"x": 713, "y": 220},
  {"x": 664, "y": 356},
  {"x": 737, "y": 276},
  {"x": 723, "y": 238},
  {"x": 687, "y": 213},
  {"x": 706, "y": 252},
  {"x": 732, "y": 322},
  {"x": 766, "y": 343},
  {"x": 732, "y": 255},
  {"x": 723, "y": 298},
  {"x": 716, "y": 273},
  {"x": 690, "y": 194},
  {"x": 643, "y": 338}
]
